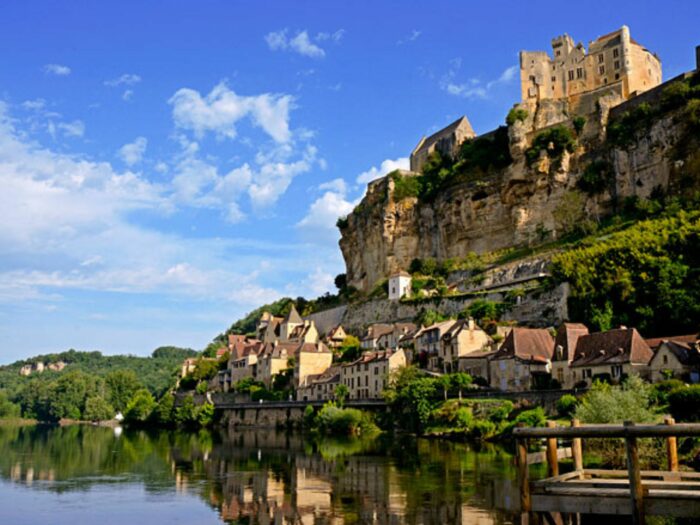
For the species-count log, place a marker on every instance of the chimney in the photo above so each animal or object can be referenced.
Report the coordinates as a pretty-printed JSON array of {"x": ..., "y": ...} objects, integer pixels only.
[{"x": 471, "y": 324}]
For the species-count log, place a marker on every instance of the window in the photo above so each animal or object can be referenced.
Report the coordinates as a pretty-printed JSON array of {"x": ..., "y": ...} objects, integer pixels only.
[
  {"x": 601, "y": 70},
  {"x": 665, "y": 359},
  {"x": 571, "y": 74},
  {"x": 616, "y": 53},
  {"x": 617, "y": 64},
  {"x": 617, "y": 76},
  {"x": 600, "y": 58},
  {"x": 554, "y": 79},
  {"x": 376, "y": 370},
  {"x": 579, "y": 72},
  {"x": 366, "y": 380},
  {"x": 558, "y": 52}
]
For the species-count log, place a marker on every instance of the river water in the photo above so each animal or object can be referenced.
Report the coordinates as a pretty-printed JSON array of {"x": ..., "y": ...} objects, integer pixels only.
[{"x": 84, "y": 474}]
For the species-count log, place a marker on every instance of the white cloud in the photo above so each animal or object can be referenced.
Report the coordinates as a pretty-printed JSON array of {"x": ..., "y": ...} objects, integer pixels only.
[
  {"x": 127, "y": 79},
  {"x": 132, "y": 153},
  {"x": 387, "y": 166},
  {"x": 301, "y": 43},
  {"x": 72, "y": 129},
  {"x": 127, "y": 95},
  {"x": 221, "y": 109},
  {"x": 272, "y": 178},
  {"x": 410, "y": 38},
  {"x": 57, "y": 69},
  {"x": 473, "y": 88},
  {"x": 338, "y": 185},
  {"x": 319, "y": 282},
  {"x": 324, "y": 211},
  {"x": 34, "y": 105}
]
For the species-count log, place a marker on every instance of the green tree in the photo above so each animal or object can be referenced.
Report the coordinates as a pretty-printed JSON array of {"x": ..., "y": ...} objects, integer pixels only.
[
  {"x": 349, "y": 349},
  {"x": 411, "y": 397},
  {"x": 7, "y": 408},
  {"x": 205, "y": 415},
  {"x": 570, "y": 211},
  {"x": 604, "y": 403},
  {"x": 122, "y": 385},
  {"x": 485, "y": 310},
  {"x": 341, "y": 393},
  {"x": 140, "y": 407},
  {"x": 165, "y": 411},
  {"x": 186, "y": 413},
  {"x": 97, "y": 409},
  {"x": 461, "y": 381}
]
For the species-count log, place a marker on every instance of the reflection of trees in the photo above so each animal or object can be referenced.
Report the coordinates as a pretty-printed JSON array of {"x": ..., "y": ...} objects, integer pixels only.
[{"x": 272, "y": 477}]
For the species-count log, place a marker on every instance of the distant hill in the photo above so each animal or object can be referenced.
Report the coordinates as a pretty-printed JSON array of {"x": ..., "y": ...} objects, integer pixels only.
[{"x": 156, "y": 372}]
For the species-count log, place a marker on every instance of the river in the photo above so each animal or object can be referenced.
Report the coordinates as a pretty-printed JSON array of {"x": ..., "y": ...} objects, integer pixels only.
[{"x": 84, "y": 474}]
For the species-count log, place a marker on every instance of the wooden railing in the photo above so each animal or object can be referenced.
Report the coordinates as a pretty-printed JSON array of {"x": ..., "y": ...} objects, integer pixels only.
[{"x": 678, "y": 489}]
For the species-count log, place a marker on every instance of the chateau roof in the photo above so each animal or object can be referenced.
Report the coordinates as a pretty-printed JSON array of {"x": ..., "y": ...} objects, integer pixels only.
[
  {"x": 293, "y": 316},
  {"x": 687, "y": 354},
  {"x": 567, "y": 337},
  {"x": 655, "y": 342},
  {"x": 621, "y": 345},
  {"x": 529, "y": 344}
]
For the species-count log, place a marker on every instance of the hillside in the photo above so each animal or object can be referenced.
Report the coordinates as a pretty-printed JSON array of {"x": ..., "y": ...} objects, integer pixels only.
[{"x": 156, "y": 373}]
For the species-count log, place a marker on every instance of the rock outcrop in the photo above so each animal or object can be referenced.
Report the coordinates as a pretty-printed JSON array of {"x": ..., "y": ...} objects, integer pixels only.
[{"x": 514, "y": 206}]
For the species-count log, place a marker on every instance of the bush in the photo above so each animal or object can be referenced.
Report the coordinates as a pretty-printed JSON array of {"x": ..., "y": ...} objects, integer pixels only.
[
  {"x": 186, "y": 413},
  {"x": 485, "y": 310},
  {"x": 342, "y": 223},
  {"x": 165, "y": 412},
  {"x": 684, "y": 403},
  {"x": 604, "y": 403},
  {"x": 566, "y": 406},
  {"x": 579, "y": 123},
  {"x": 334, "y": 420},
  {"x": 482, "y": 429},
  {"x": 140, "y": 407},
  {"x": 516, "y": 114},
  {"x": 534, "y": 417},
  {"x": 675, "y": 95},
  {"x": 7, "y": 408},
  {"x": 595, "y": 178},
  {"x": 405, "y": 186},
  {"x": 659, "y": 391},
  {"x": 205, "y": 415},
  {"x": 622, "y": 131},
  {"x": 97, "y": 409},
  {"x": 555, "y": 141}
]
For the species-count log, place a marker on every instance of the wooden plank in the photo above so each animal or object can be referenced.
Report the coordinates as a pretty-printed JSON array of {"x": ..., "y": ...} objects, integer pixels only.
[
  {"x": 556, "y": 479},
  {"x": 645, "y": 473},
  {"x": 576, "y": 449},
  {"x": 635, "y": 478},
  {"x": 552, "y": 459},
  {"x": 540, "y": 457},
  {"x": 523, "y": 475},
  {"x": 610, "y": 431},
  {"x": 593, "y": 504},
  {"x": 671, "y": 447},
  {"x": 648, "y": 484}
]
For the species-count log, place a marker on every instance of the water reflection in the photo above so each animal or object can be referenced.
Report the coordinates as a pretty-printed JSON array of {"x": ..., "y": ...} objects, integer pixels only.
[{"x": 272, "y": 477}]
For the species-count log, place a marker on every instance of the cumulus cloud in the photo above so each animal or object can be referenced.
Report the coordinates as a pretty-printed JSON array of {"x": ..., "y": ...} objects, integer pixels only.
[
  {"x": 72, "y": 129},
  {"x": 57, "y": 69},
  {"x": 474, "y": 87},
  {"x": 387, "y": 166},
  {"x": 222, "y": 109},
  {"x": 133, "y": 152},
  {"x": 410, "y": 38},
  {"x": 338, "y": 185},
  {"x": 127, "y": 79},
  {"x": 301, "y": 42},
  {"x": 127, "y": 95}
]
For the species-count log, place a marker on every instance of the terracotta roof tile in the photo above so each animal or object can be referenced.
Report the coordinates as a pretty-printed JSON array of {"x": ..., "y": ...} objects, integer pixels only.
[
  {"x": 621, "y": 345},
  {"x": 530, "y": 344}
]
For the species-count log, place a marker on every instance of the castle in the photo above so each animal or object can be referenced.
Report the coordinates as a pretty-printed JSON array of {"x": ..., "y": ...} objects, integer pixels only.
[{"x": 614, "y": 64}]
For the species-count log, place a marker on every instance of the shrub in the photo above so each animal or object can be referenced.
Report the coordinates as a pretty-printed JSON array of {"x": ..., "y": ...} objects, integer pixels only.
[
  {"x": 309, "y": 416},
  {"x": 165, "y": 412},
  {"x": 604, "y": 403},
  {"x": 566, "y": 405},
  {"x": 186, "y": 413},
  {"x": 675, "y": 95},
  {"x": 332, "y": 419},
  {"x": 342, "y": 223},
  {"x": 595, "y": 178},
  {"x": 205, "y": 415},
  {"x": 659, "y": 392},
  {"x": 684, "y": 403},
  {"x": 97, "y": 409},
  {"x": 555, "y": 141},
  {"x": 482, "y": 429},
  {"x": 579, "y": 123},
  {"x": 483, "y": 309},
  {"x": 534, "y": 417},
  {"x": 516, "y": 114},
  {"x": 692, "y": 113},
  {"x": 405, "y": 186},
  {"x": 201, "y": 387},
  {"x": 140, "y": 407},
  {"x": 501, "y": 412},
  {"x": 622, "y": 131}
]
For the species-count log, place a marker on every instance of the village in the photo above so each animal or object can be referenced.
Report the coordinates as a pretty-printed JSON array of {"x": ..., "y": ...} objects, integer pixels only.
[{"x": 510, "y": 359}]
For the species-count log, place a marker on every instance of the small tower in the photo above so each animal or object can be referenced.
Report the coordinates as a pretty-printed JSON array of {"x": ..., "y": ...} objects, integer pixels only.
[{"x": 399, "y": 285}]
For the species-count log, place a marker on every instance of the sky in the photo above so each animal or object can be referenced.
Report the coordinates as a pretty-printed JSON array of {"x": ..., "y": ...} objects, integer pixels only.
[{"x": 166, "y": 167}]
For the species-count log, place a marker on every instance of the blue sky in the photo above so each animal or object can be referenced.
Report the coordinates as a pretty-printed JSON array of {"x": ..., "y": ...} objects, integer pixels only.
[{"x": 168, "y": 166}]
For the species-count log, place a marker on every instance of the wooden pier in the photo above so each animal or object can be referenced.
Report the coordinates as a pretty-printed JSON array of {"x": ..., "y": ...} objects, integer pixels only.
[{"x": 635, "y": 492}]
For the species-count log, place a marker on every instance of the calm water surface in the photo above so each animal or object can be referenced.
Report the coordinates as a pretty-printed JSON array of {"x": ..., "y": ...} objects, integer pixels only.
[{"x": 84, "y": 474}]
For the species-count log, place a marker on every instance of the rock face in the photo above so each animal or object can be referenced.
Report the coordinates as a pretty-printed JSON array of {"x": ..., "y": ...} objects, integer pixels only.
[{"x": 515, "y": 206}]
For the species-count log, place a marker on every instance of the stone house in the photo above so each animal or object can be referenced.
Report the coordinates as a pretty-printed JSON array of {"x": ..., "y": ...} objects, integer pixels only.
[
  {"x": 611, "y": 355},
  {"x": 367, "y": 376},
  {"x": 370, "y": 339},
  {"x": 428, "y": 341},
  {"x": 446, "y": 141},
  {"x": 304, "y": 333},
  {"x": 522, "y": 361},
  {"x": 614, "y": 63},
  {"x": 463, "y": 338},
  {"x": 272, "y": 360},
  {"x": 245, "y": 365},
  {"x": 476, "y": 364},
  {"x": 320, "y": 387},
  {"x": 676, "y": 359},
  {"x": 564, "y": 348},
  {"x": 335, "y": 337},
  {"x": 399, "y": 285},
  {"x": 390, "y": 340},
  {"x": 310, "y": 359}
]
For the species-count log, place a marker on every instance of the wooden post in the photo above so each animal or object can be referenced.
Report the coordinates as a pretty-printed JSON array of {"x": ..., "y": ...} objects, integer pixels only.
[
  {"x": 576, "y": 449},
  {"x": 672, "y": 448},
  {"x": 635, "y": 478},
  {"x": 523, "y": 474},
  {"x": 552, "y": 458}
]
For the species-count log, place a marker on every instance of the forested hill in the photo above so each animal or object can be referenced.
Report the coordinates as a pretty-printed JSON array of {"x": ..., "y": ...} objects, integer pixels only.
[{"x": 156, "y": 372}]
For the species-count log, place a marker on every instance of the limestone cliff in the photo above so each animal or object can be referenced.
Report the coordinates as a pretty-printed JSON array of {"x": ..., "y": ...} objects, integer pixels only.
[{"x": 517, "y": 205}]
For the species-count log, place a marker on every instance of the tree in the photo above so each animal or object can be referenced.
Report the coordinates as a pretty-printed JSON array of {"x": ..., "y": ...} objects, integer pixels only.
[
  {"x": 604, "y": 403},
  {"x": 97, "y": 409},
  {"x": 164, "y": 412},
  {"x": 350, "y": 349},
  {"x": 570, "y": 211},
  {"x": 7, "y": 408},
  {"x": 341, "y": 393},
  {"x": 461, "y": 381},
  {"x": 140, "y": 407},
  {"x": 186, "y": 413},
  {"x": 483, "y": 310},
  {"x": 341, "y": 281},
  {"x": 429, "y": 317},
  {"x": 410, "y": 396},
  {"x": 122, "y": 385},
  {"x": 445, "y": 382}
]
